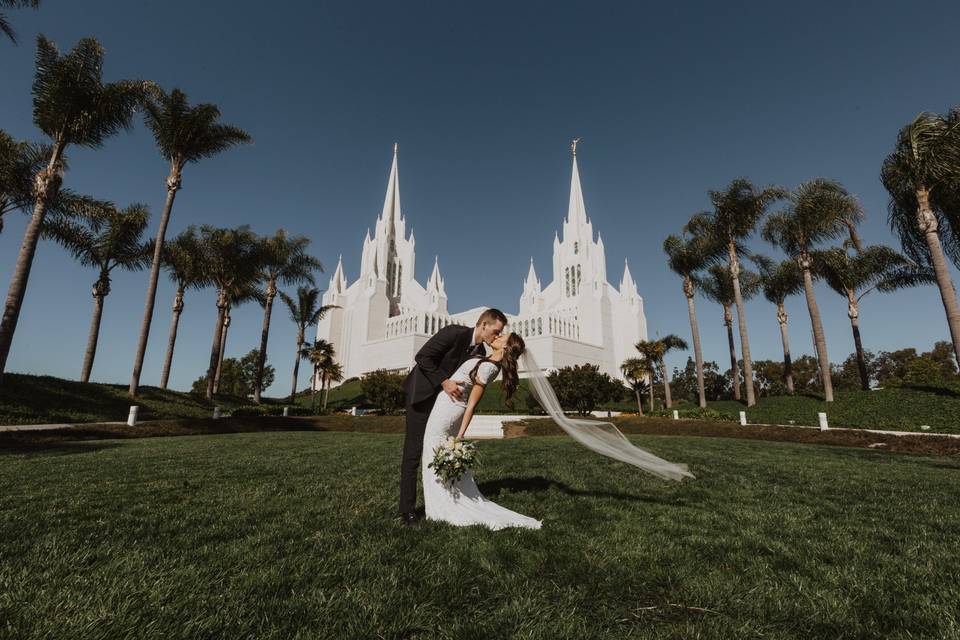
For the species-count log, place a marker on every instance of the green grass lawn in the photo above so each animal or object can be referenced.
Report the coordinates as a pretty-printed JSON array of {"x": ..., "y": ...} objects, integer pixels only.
[{"x": 290, "y": 535}]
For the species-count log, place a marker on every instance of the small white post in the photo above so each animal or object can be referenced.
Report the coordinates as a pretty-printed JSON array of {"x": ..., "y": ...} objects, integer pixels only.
[
  {"x": 286, "y": 411},
  {"x": 823, "y": 421},
  {"x": 132, "y": 417},
  {"x": 743, "y": 418},
  {"x": 676, "y": 414},
  {"x": 216, "y": 413}
]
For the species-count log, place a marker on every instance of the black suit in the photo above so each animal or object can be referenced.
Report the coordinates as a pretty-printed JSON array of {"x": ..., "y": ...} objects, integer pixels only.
[{"x": 436, "y": 361}]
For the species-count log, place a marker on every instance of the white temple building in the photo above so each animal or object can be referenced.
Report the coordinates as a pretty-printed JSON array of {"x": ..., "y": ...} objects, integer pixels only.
[{"x": 385, "y": 315}]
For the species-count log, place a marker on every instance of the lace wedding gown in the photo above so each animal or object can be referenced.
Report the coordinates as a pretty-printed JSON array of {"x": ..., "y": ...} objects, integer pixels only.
[{"x": 461, "y": 503}]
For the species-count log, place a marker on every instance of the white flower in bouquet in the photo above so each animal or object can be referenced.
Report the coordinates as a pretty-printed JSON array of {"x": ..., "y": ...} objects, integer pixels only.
[{"x": 452, "y": 459}]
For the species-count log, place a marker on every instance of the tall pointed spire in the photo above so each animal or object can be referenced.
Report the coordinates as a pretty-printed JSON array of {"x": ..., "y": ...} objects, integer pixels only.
[
  {"x": 532, "y": 283},
  {"x": 627, "y": 285},
  {"x": 338, "y": 283},
  {"x": 435, "y": 282},
  {"x": 577, "y": 211},
  {"x": 391, "y": 201}
]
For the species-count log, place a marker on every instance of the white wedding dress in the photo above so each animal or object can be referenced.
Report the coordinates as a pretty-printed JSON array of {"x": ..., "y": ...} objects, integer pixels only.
[{"x": 461, "y": 503}]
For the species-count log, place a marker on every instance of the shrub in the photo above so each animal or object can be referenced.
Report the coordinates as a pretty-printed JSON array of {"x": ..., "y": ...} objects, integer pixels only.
[
  {"x": 270, "y": 410},
  {"x": 582, "y": 388},
  {"x": 384, "y": 390}
]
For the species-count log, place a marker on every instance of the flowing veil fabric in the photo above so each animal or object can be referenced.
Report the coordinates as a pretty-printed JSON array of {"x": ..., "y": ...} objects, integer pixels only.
[{"x": 602, "y": 437}]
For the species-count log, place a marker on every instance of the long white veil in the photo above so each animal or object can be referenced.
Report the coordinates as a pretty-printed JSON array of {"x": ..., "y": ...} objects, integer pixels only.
[{"x": 602, "y": 437}]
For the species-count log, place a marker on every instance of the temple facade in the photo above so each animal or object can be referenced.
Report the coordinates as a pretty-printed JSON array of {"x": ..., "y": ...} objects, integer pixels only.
[{"x": 385, "y": 315}]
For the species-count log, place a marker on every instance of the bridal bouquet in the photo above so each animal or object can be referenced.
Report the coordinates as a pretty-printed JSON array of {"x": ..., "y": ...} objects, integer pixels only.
[{"x": 452, "y": 458}]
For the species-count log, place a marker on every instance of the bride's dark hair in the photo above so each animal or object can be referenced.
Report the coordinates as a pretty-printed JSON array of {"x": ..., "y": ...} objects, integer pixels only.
[{"x": 508, "y": 366}]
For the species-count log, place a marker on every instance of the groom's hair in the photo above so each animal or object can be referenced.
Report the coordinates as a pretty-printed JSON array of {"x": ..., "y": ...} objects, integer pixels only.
[{"x": 491, "y": 316}]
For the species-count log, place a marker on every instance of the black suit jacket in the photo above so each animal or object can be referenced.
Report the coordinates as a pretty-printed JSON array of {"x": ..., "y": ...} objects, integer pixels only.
[{"x": 436, "y": 361}]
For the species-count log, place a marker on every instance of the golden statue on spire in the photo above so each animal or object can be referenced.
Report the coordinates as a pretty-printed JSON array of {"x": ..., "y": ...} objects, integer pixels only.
[{"x": 573, "y": 146}]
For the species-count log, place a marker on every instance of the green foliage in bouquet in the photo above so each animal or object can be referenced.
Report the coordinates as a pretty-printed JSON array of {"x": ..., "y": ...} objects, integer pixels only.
[{"x": 453, "y": 458}]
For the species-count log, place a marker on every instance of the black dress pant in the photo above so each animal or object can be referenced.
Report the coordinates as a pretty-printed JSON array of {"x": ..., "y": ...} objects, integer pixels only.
[{"x": 417, "y": 415}]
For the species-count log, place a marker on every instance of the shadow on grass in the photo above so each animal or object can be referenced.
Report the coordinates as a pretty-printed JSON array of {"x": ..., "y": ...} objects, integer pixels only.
[
  {"x": 934, "y": 389},
  {"x": 539, "y": 483},
  {"x": 52, "y": 447}
]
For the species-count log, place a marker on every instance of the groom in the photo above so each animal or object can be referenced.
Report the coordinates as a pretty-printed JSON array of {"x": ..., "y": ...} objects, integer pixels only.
[{"x": 436, "y": 361}]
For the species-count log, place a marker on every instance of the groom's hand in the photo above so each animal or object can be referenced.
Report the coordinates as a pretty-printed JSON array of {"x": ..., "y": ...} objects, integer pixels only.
[{"x": 453, "y": 389}]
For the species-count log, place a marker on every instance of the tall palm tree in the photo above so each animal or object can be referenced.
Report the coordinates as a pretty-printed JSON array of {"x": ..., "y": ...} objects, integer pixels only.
[
  {"x": 109, "y": 240},
  {"x": 779, "y": 281},
  {"x": 817, "y": 211},
  {"x": 736, "y": 212},
  {"x": 14, "y": 4},
  {"x": 305, "y": 312},
  {"x": 685, "y": 256},
  {"x": 71, "y": 106},
  {"x": 921, "y": 174},
  {"x": 243, "y": 292},
  {"x": 232, "y": 265},
  {"x": 330, "y": 372},
  {"x": 668, "y": 343},
  {"x": 635, "y": 372},
  {"x": 183, "y": 134},
  {"x": 183, "y": 259},
  {"x": 19, "y": 164},
  {"x": 320, "y": 354},
  {"x": 717, "y": 285},
  {"x": 286, "y": 262},
  {"x": 649, "y": 356},
  {"x": 854, "y": 276}
]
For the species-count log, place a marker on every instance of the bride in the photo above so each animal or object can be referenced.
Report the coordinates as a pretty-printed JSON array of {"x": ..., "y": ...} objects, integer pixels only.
[{"x": 460, "y": 502}]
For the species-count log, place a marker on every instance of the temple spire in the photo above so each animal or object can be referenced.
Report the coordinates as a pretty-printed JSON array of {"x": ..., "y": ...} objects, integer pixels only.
[
  {"x": 436, "y": 281},
  {"x": 338, "y": 283},
  {"x": 391, "y": 202},
  {"x": 532, "y": 283},
  {"x": 627, "y": 285},
  {"x": 577, "y": 211}
]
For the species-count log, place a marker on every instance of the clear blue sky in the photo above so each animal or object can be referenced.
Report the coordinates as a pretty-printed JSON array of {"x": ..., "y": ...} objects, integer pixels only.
[{"x": 483, "y": 98}]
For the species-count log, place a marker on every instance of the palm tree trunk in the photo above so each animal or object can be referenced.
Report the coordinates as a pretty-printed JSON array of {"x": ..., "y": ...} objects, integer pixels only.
[
  {"x": 651, "y": 392},
  {"x": 818, "y": 337},
  {"x": 223, "y": 350},
  {"x": 296, "y": 367},
  {"x": 173, "y": 185},
  {"x": 172, "y": 340},
  {"x": 94, "y": 336},
  {"x": 928, "y": 225},
  {"x": 326, "y": 393},
  {"x": 264, "y": 334},
  {"x": 785, "y": 339},
  {"x": 666, "y": 385},
  {"x": 46, "y": 183},
  {"x": 697, "y": 351},
  {"x": 639, "y": 402},
  {"x": 313, "y": 392},
  {"x": 734, "y": 366},
  {"x": 742, "y": 324},
  {"x": 215, "y": 348},
  {"x": 854, "y": 314}
]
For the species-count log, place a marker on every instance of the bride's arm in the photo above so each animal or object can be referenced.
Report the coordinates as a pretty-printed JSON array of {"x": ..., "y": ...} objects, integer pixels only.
[{"x": 475, "y": 394}]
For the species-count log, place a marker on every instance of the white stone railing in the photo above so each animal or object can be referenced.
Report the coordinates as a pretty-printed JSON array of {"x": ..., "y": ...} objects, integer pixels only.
[
  {"x": 408, "y": 324},
  {"x": 562, "y": 324}
]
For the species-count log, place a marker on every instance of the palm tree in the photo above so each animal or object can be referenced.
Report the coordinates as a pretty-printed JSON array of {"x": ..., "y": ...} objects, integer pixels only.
[
  {"x": 736, "y": 212},
  {"x": 817, "y": 211},
  {"x": 241, "y": 293},
  {"x": 14, "y": 4},
  {"x": 320, "y": 354},
  {"x": 286, "y": 262},
  {"x": 635, "y": 371},
  {"x": 232, "y": 265},
  {"x": 183, "y": 259},
  {"x": 305, "y": 312},
  {"x": 71, "y": 105},
  {"x": 780, "y": 281},
  {"x": 921, "y": 175},
  {"x": 19, "y": 164},
  {"x": 668, "y": 343},
  {"x": 330, "y": 372},
  {"x": 110, "y": 239},
  {"x": 183, "y": 134},
  {"x": 686, "y": 256},
  {"x": 854, "y": 276},
  {"x": 717, "y": 285},
  {"x": 649, "y": 355}
]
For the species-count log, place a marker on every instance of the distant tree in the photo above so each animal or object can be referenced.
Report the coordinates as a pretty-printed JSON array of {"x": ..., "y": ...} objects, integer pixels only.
[
  {"x": 635, "y": 372},
  {"x": 305, "y": 311},
  {"x": 237, "y": 376},
  {"x": 183, "y": 259},
  {"x": 848, "y": 374},
  {"x": 330, "y": 372},
  {"x": 320, "y": 355},
  {"x": 582, "y": 388},
  {"x": 384, "y": 390},
  {"x": 684, "y": 383},
  {"x": 780, "y": 280},
  {"x": 890, "y": 367},
  {"x": 249, "y": 365},
  {"x": 770, "y": 378},
  {"x": 108, "y": 240}
]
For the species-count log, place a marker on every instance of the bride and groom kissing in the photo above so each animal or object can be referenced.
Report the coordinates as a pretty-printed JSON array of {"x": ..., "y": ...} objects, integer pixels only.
[{"x": 453, "y": 368}]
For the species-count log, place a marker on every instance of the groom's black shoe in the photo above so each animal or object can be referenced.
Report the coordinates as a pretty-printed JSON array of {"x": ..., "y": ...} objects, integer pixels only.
[{"x": 408, "y": 518}]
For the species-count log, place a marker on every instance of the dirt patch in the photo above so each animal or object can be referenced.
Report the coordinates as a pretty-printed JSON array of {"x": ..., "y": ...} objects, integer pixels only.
[{"x": 664, "y": 427}]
